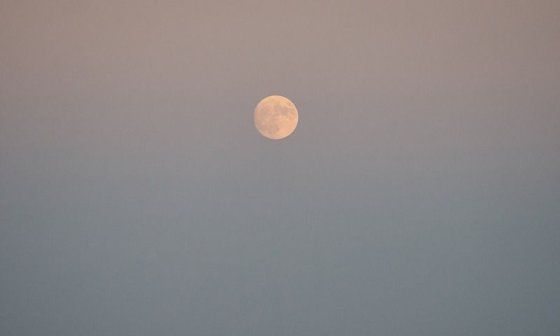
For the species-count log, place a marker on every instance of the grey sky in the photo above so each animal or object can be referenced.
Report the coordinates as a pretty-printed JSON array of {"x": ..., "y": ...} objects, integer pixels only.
[{"x": 419, "y": 195}]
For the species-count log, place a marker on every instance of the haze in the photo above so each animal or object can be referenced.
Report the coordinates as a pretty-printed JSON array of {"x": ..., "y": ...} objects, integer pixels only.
[{"x": 418, "y": 196}]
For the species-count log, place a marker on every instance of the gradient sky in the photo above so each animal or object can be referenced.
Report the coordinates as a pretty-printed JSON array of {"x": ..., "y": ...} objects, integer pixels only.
[{"x": 419, "y": 195}]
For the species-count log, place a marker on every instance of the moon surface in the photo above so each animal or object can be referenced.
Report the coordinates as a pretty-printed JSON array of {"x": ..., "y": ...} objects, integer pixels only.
[{"x": 276, "y": 117}]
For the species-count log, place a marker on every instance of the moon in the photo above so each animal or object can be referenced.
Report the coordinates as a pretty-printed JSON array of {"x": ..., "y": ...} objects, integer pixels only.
[{"x": 276, "y": 117}]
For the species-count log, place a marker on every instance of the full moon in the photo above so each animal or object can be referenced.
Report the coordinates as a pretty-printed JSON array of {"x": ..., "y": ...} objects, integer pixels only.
[{"x": 276, "y": 117}]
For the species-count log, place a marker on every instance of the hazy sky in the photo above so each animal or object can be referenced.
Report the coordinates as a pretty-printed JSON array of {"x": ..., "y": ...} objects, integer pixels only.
[{"x": 419, "y": 195}]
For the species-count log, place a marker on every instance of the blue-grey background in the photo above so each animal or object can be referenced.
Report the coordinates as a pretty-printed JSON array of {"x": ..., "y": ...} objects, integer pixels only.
[{"x": 419, "y": 195}]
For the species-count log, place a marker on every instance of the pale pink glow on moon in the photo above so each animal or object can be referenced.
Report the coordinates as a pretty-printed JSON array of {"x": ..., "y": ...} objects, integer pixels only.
[{"x": 276, "y": 117}]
